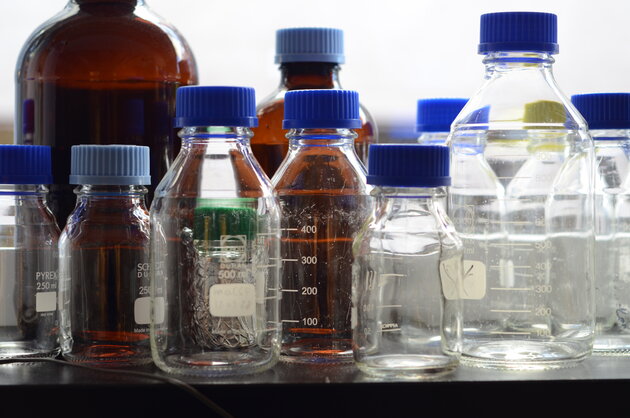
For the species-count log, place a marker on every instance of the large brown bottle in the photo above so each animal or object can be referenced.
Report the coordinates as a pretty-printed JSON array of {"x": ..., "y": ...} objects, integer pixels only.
[
  {"x": 309, "y": 58},
  {"x": 101, "y": 72}
]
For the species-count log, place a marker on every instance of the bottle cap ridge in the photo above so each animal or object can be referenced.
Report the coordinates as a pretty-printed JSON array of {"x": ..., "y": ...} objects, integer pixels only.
[
  {"x": 604, "y": 110},
  {"x": 437, "y": 115},
  {"x": 309, "y": 45},
  {"x": 112, "y": 165},
  {"x": 25, "y": 164},
  {"x": 215, "y": 106},
  {"x": 329, "y": 108},
  {"x": 408, "y": 165},
  {"x": 519, "y": 31}
]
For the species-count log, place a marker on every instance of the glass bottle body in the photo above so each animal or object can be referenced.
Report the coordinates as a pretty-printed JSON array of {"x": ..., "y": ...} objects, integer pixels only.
[
  {"x": 215, "y": 229},
  {"x": 270, "y": 144},
  {"x": 104, "y": 278},
  {"x": 521, "y": 200},
  {"x": 407, "y": 277},
  {"x": 433, "y": 138},
  {"x": 612, "y": 241},
  {"x": 28, "y": 273},
  {"x": 324, "y": 201},
  {"x": 97, "y": 72}
]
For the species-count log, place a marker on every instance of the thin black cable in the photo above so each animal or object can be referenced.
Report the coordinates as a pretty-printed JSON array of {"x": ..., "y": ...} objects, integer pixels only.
[{"x": 175, "y": 382}]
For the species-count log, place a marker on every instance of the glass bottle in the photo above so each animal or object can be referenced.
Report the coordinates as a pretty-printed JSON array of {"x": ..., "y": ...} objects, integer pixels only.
[
  {"x": 215, "y": 231},
  {"x": 101, "y": 71},
  {"x": 324, "y": 201},
  {"x": 608, "y": 118},
  {"x": 28, "y": 255},
  {"x": 521, "y": 200},
  {"x": 309, "y": 58},
  {"x": 104, "y": 259},
  {"x": 408, "y": 267},
  {"x": 434, "y": 118}
]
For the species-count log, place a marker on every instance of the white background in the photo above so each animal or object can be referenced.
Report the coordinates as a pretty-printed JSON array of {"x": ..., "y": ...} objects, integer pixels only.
[{"x": 396, "y": 50}]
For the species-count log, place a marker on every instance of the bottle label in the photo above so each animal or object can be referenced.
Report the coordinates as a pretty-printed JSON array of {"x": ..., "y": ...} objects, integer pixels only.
[
  {"x": 46, "y": 293},
  {"x": 232, "y": 299}
]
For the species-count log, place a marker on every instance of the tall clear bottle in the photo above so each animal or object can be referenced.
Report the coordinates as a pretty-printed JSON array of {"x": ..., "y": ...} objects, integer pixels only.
[
  {"x": 101, "y": 72},
  {"x": 521, "y": 199},
  {"x": 408, "y": 267},
  {"x": 104, "y": 259},
  {"x": 215, "y": 238},
  {"x": 28, "y": 255},
  {"x": 309, "y": 58},
  {"x": 434, "y": 119},
  {"x": 324, "y": 200},
  {"x": 608, "y": 118}
]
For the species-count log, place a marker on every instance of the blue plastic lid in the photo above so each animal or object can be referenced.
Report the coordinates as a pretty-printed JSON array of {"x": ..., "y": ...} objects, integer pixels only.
[
  {"x": 215, "y": 106},
  {"x": 309, "y": 45},
  {"x": 408, "y": 165},
  {"x": 519, "y": 31},
  {"x": 111, "y": 165},
  {"x": 436, "y": 115},
  {"x": 604, "y": 110},
  {"x": 25, "y": 164},
  {"x": 329, "y": 108}
]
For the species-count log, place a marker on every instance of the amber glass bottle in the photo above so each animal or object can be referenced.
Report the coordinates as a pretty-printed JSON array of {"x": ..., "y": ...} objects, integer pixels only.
[
  {"x": 101, "y": 71},
  {"x": 309, "y": 58}
]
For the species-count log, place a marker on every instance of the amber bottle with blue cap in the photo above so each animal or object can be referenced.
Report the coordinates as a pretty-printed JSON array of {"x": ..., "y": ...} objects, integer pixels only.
[{"x": 105, "y": 308}]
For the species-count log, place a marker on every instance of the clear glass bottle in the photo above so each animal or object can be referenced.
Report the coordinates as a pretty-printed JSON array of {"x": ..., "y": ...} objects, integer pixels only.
[
  {"x": 104, "y": 259},
  {"x": 521, "y": 200},
  {"x": 98, "y": 72},
  {"x": 324, "y": 201},
  {"x": 434, "y": 118},
  {"x": 309, "y": 58},
  {"x": 408, "y": 267},
  {"x": 28, "y": 255},
  {"x": 215, "y": 231},
  {"x": 608, "y": 118}
]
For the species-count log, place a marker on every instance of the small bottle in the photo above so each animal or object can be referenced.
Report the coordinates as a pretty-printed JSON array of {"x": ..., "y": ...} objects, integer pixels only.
[
  {"x": 104, "y": 259},
  {"x": 521, "y": 200},
  {"x": 324, "y": 200},
  {"x": 309, "y": 58},
  {"x": 608, "y": 118},
  {"x": 215, "y": 240},
  {"x": 434, "y": 119},
  {"x": 101, "y": 71},
  {"x": 28, "y": 254},
  {"x": 408, "y": 267}
]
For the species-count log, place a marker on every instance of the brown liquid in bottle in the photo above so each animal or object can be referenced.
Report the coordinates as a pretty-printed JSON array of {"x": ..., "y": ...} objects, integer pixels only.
[
  {"x": 104, "y": 72},
  {"x": 269, "y": 143}
]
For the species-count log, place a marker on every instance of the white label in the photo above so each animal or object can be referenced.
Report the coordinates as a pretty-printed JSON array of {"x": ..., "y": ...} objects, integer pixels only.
[
  {"x": 158, "y": 310},
  {"x": 232, "y": 299},
  {"x": 451, "y": 277},
  {"x": 45, "y": 301},
  {"x": 474, "y": 286},
  {"x": 142, "y": 310}
]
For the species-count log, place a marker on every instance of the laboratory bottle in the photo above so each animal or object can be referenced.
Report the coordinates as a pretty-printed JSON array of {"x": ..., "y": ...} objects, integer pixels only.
[
  {"x": 309, "y": 58},
  {"x": 408, "y": 267},
  {"x": 104, "y": 255},
  {"x": 434, "y": 118},
  {"x": 324, "y": 201},
  {"x": 100, "y": 72},
  {"x": 215, "y": 243},
  {"x": 522, "y": 201},
  {"x": 28, "y": 255},
  {"x": 608, "y": 119}
]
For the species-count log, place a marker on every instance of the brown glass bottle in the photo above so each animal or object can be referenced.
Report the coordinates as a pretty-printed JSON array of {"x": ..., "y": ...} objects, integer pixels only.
[
  {"x": 101, "y": 72},
  {"x": 269, "y": 143}
]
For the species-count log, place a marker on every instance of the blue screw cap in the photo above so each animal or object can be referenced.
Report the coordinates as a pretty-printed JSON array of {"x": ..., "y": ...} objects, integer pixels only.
[
  {"x": 25, "y": 164},
  {"x": 329, "y": 108},
  {"x": 408, "y": 165},
  {"x": 111, "y": 165},
  {"x": 309, "y": 45},
  {"x": 215, "y": 106},
  {"x": 437, "y": 115},
  {"x": 519, "y": 31},
  {"x": 604, "y": 110}
]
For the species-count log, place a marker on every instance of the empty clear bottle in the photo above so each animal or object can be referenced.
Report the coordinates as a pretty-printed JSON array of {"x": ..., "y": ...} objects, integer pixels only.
[
  {"x": 408, "y": 267},
  {"x": 434, "y": 118},
  {"x": 28, "y": 254},
  {"x": 521, "y": 199},
  {"x": 309, "y": 58},
  {"x": 104, "y": 258},
  {"x": 608, "y": 118},
  {"x": 215, "y": 238},
  {"x": 323, "y": 195}
]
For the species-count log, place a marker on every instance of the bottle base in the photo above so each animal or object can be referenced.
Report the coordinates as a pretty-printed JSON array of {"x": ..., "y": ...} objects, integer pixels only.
[
  {"x": 21, "y": 349},
  {"x": 318, "y": 351},
  {"x": 110, "y": 356},
  {"x": 226, "y": 363},
  {"x": 612, "y": 345},
  {"x": 407, "y": 366}
]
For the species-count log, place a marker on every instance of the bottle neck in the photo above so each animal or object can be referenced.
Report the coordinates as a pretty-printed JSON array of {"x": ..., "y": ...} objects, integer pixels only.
[
  {"x": 406, "y": 199},
  {"x": 26, "y": 190},
  {"x": 309, "y": 75},
  {"x": 342, "y": 138},
  {"x": 501, "y": 64},
  {"x": 195, "y": 135},
  {"x": 90, "y": 2},
  {"x": 110, "y": 195}
]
